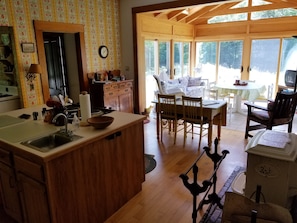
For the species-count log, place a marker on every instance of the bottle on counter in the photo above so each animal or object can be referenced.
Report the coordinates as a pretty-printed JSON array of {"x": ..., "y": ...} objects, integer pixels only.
[{"x": 75, "y": 122}]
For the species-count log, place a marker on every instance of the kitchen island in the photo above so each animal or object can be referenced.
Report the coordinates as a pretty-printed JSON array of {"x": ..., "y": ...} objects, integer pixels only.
[{"x": 86, "y": 180}]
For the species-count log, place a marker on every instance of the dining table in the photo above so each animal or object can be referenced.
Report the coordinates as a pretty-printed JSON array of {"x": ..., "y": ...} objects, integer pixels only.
[
  {"x": 215, "y": 111},
  {"x": 249, "y": 91}
]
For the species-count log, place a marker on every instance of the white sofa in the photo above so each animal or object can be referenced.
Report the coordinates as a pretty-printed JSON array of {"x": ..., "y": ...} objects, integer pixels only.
[{"x": 189, "y": 86}]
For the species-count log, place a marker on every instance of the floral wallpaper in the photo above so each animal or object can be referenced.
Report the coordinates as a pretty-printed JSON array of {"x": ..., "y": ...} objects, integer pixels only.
[{"x": 99, "y": 17}]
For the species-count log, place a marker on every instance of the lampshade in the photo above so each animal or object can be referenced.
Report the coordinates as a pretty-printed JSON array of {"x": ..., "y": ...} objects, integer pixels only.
[{"x": 35, "y": 69}]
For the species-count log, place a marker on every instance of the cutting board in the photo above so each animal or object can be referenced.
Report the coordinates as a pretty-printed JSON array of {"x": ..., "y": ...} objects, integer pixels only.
[
  {"x": 6, "y": 120},
  {"x": 24, "y": 131}
]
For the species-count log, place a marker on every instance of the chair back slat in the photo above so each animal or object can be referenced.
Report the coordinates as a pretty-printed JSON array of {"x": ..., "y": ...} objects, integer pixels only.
[
  {"x": 284, "y": 106},
  {"x": 192, "y": 109},
  {"x": 167, "y": 106}
]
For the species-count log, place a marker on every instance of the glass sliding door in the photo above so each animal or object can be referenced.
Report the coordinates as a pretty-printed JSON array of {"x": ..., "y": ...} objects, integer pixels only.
[
  {"x": 151, "y": 67},
  {"x": 164, "y": 60},
  {"x": 288, "y": 58},
  {"x": 264, "y": 61},
  {"x": 157, "y": 61},
  {"x": 206, "y": 58},
  {"x": 230, "y": 61},
  {"x": 181, "y": 59}
]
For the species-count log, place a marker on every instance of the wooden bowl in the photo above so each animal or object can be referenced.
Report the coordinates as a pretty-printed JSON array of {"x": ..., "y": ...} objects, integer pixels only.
[{"x": 100, "y": 122}]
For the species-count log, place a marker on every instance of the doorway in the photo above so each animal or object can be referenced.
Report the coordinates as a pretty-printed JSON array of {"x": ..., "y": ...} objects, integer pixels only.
[
  {"x": 56, "y": 63},
  {"x": 75, "y": 33},
  {"x": 61, "y": 57}
]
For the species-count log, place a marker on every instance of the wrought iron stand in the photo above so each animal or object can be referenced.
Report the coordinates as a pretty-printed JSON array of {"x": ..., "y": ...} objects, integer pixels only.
[{"x": 196, "y": 189}]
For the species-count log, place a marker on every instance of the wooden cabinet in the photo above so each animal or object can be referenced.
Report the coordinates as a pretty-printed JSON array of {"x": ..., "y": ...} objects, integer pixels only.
[
  {"x": 87, "y": 184},
  {"x": 32, "y": 188},
  {"x": 8, "y": 186},
  {"x": 93, "y": 182},
  {"x": 114, "y": 95}
]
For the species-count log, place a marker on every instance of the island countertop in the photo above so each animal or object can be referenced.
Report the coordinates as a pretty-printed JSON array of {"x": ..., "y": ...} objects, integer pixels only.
[
  {"x": 24, "y": 129},
  {"x": 102, "y": 170}
]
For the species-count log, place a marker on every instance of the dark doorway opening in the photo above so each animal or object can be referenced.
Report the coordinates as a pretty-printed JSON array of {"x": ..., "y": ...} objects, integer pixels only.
[{"x": 56, "y": 63}]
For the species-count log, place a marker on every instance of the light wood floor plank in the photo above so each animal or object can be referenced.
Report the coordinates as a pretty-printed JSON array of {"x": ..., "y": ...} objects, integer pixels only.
[{"x": 163, "y": 197}]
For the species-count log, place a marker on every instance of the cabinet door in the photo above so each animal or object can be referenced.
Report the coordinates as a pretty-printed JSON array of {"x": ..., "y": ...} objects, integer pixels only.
[
  {"x": 126, "y": 101},
  {"x": 34, "y": 200},
  {"x": 111, "y": 100},
  {"x": 8, "y": 185}
]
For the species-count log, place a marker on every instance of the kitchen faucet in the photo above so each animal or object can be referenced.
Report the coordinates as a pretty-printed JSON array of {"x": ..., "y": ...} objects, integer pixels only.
[{"x": 65, "y": 121}]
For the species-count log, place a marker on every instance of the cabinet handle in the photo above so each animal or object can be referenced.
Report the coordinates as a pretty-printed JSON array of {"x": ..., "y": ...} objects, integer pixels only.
[{"x": 113, "y": 136}]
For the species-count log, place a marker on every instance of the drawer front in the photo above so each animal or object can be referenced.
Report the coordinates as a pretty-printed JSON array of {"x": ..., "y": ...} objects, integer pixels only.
[
  {"x": 110, "y": 94},
  {"x": 5, "y": 157},
  {"x": 111, "y": 87},
  {"x": 29, "y": 168},
  {"x": 125, "y": 91},
  {"x": 125, "y": 85}
]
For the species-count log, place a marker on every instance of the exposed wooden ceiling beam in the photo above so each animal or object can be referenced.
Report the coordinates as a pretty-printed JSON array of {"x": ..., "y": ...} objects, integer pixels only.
[
  {"x": 201, "y": 13},
  {"x": 249, "y": 9}
]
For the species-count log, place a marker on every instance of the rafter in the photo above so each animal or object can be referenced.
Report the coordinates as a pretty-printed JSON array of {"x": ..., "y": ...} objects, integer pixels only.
[
  {"x": 249, "y": 9},
  {"x": 200, "y": 14}
]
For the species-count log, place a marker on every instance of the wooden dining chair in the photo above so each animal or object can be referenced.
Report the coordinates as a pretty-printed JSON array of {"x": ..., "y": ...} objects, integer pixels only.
[
  {"x": 278, "y": 112},
  {"x": 193, "y": 117},
  {"x": 167, "y": 113}
]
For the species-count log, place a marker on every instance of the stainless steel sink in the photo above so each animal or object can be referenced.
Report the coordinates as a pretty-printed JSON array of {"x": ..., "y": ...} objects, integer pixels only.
[{"x": 51, "y": 141}]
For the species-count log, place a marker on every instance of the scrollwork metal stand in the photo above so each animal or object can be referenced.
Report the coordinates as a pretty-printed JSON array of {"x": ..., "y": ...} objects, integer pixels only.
[{"x": 196, "y": 189}]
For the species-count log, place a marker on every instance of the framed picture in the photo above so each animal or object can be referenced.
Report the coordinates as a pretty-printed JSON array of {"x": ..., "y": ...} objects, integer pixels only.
[{"x": 28, "y": 47}]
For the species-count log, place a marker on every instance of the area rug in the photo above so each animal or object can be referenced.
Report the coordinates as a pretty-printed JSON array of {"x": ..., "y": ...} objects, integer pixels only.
[
  {"x": 150, "y": 163},
  {"x": 214, "y": 214}
]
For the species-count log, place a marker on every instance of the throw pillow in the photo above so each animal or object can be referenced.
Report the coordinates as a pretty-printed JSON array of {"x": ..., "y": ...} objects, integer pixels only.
[
  {"x": 163, "y": 87},
  {"x": 194, "y": 81},
  {"x": 183, "y": 81},
  {"x": 173, "y": 82}
]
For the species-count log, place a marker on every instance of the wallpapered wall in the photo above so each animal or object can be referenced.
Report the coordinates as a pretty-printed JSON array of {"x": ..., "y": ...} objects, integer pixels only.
[{"x": 99, "y": 17}]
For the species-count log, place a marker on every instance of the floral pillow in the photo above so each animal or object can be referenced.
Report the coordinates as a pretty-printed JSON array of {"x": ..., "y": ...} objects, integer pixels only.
[
  {"x": 183, "y": 81},
  {"x": 163, "y": 87},
  {"x": 194, "y": 81},
  {"x": 173, "y": 82}
]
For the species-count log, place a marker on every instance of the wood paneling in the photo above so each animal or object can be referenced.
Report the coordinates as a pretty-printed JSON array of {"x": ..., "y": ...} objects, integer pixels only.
[
  {"x": 152, "y": 26},
  {"x": 99, "y": 178}
]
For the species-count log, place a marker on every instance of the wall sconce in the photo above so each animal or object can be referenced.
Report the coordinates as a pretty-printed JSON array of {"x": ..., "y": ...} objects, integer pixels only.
[{"x": 31, "y": 74}]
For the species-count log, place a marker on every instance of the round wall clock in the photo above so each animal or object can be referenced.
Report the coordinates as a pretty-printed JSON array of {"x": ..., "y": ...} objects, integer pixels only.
[{"x": 103, "y": 51}]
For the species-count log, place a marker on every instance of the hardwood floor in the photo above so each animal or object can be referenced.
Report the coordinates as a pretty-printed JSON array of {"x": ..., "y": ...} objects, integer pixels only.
[{"x": 163, "y": 197}]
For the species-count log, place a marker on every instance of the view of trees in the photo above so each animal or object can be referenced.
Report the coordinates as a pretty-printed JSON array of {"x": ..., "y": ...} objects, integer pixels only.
[{"x": 263, "y": 61}]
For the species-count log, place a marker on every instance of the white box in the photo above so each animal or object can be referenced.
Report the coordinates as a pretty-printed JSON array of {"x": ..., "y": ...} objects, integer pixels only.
[{"x": 272, "y": 164}]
